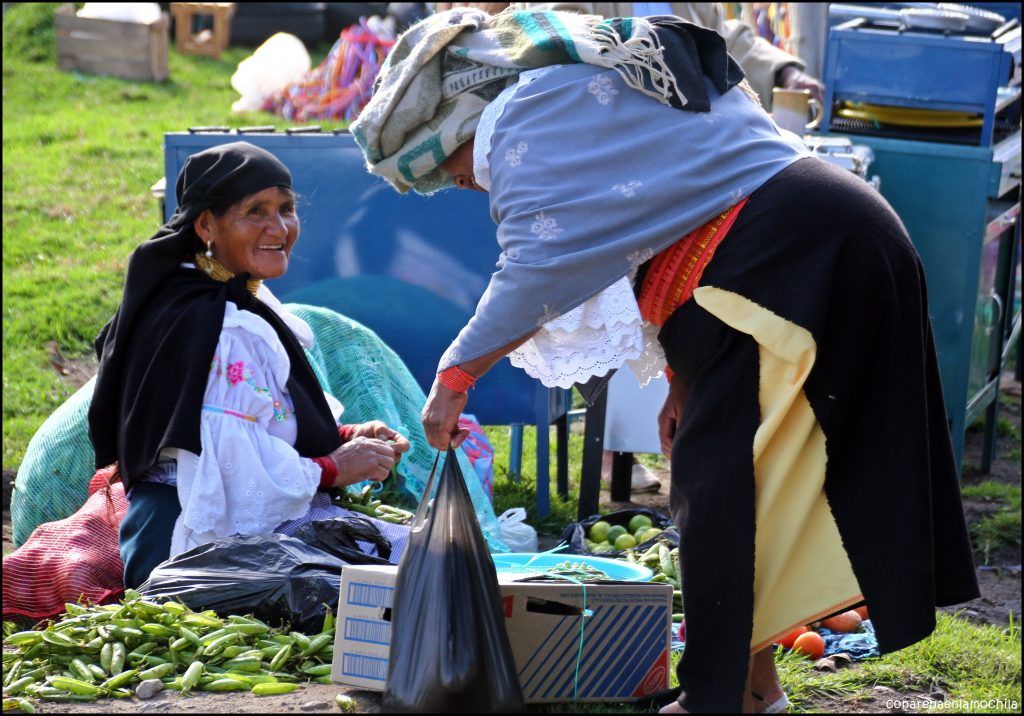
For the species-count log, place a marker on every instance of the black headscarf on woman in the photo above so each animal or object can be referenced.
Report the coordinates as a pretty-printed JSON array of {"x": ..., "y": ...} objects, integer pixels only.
[{"x": 155, "y": 353}]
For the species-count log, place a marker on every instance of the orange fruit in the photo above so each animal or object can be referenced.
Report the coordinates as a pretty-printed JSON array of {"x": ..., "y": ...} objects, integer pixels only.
[
  {"x": 787, "y": 641},
  {"x": 863, "y": 612},
  {"x": 844, "y": 623},
  {"x": 810, "y": 644}
]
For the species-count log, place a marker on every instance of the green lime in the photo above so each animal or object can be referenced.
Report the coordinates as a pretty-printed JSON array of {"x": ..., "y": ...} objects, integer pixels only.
[
  {"x": 626, "y": 541},
  {"x": 639, "y": 521},
  {"x": 601, "y": 548},
  {"x": 649, "y": 534},
  {"x": 615, "y": 532},
  {"x": 599, "y": 531}
]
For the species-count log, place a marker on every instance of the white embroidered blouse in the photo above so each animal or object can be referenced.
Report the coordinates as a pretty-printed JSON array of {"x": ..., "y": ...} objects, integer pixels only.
[
  {"x": 601, "y": 334},
  {"x": 249, "y": 477}
]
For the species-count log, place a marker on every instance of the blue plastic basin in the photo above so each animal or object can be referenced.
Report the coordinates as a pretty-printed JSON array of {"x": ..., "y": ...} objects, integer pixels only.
[{"x": 528, "y": 563}]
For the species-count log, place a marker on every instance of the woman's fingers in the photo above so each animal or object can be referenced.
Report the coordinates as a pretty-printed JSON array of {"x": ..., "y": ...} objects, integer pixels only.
[{"x": 457, "y": 438}]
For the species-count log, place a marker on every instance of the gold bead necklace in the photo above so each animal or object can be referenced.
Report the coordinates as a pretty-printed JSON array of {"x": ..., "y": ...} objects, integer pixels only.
[{"x": 218, "y": 272}]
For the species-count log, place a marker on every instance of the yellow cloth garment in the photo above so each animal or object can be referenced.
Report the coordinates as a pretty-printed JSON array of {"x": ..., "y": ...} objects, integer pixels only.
[{"x": 801, "y": 570}]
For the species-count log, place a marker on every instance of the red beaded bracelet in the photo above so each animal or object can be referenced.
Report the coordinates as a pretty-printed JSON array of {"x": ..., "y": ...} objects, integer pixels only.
[{"x": 456, "y": 379}]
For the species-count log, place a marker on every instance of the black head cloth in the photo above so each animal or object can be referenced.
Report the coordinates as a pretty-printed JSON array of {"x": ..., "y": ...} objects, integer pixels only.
[{"x": 155, "y": 353}]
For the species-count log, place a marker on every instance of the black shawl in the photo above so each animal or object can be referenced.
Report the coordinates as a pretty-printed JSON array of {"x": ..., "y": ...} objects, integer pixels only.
[{"x": 155, "y": 353}]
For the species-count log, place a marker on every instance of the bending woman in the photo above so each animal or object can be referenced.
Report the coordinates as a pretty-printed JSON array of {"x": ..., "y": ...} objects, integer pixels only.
[
  {"x": 645, "y": 203},
  {"x": 204, "y": 396}
]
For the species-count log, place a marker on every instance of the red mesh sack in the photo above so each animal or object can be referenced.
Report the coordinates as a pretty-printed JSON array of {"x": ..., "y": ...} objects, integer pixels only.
[{"x": 71, "y": 560}]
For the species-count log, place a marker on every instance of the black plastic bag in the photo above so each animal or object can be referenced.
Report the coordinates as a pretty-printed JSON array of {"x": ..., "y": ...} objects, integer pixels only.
[
  {"x": 576, "y": 533},
  {"x": 449, "y": 649},
  {"x": 272, "y": 576},
  {"x": 338, "y": 537}
]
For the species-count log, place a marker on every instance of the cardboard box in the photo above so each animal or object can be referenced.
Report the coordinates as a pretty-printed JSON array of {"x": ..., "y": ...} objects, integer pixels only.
[{"x": 627, "y": 635}]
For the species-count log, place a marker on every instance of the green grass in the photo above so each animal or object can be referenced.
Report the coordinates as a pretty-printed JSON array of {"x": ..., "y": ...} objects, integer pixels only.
[
  {"x": 80, "y": 154},
  {"x": 509, "y": 492},
  {"x": 964, "y": 660},
  {"x": 1002, "y": 529}
]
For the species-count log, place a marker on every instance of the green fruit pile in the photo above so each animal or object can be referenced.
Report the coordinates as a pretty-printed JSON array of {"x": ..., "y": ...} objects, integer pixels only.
[
  {"x": 103, "y": 651},
  {"x": 603, "y": 537}
]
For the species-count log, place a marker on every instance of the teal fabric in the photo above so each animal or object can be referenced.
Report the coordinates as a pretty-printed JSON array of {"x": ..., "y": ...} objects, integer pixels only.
[{"x": 351, "y": 363}]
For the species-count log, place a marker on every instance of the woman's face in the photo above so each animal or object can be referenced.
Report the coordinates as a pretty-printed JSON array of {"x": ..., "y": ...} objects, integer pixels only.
[
  {"x": 255, "y": 235},
  {"x": 460, "y": 166}
]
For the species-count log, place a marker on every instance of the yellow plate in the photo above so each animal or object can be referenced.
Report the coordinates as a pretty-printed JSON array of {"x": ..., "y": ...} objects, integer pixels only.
[{"x": 909, "y": 116}]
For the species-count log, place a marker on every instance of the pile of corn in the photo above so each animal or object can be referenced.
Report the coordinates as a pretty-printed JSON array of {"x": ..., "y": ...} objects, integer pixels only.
[{"x": 104, "y": 651}]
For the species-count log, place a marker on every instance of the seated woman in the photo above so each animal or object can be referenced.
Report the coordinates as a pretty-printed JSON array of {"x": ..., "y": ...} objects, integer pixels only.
[{"x": 204, "y": 397}]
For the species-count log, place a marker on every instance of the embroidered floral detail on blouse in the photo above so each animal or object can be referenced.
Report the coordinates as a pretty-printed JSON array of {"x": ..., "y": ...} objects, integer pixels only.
[
  {"x": 236, "y": 373},
  {"x": 514, "y": 157},
  {"x": 628, "y": 190},
  {"x": 282, "y": 413},
  {"x": 735, "y": 195},
  {"x": 636, "y": 258},
  {"x": 545, "y": 227},
  {"x": 601, "y": 88},
  {"x": 452, "y": 355},
  {"x": 710, "y": 117}
]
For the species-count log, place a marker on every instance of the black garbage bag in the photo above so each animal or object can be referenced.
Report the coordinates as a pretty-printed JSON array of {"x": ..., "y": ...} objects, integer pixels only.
[
  {"x": 338, "y": 537},
  {"x": 273, "y": 576},
  {"x": 449, "y": 649},
  {"x": 575, "y": 535}
]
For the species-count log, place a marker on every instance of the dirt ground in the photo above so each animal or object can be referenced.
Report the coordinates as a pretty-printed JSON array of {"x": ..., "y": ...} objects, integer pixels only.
[{"x": 1000, "y": 587}]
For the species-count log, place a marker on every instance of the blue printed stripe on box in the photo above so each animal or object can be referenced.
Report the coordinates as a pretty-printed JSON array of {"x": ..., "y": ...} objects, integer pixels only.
[
  {"x": 620, "y": 644},
  {"x": 370, "y": 631},
  {"x": 365, "y": 667},
  {"x": 369, "y": 595}
]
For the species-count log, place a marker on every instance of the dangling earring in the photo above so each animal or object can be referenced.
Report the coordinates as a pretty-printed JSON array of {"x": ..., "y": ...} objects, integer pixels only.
[{"x": 209, "y": 250}]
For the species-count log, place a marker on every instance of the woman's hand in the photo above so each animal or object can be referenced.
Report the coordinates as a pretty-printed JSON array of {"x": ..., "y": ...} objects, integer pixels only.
[
  {"x": 440, "y": 417},
  {"x": 671, "y": 414},
  {"x": 379, "y": 430},
  {"x": 363, "y": 458}
]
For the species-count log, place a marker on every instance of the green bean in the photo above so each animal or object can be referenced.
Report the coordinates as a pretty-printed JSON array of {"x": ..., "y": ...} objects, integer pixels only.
[
  {"x": 120, "y": 679},
  {"x": 19, "y": 703},
  {"x": 79, "y": 669},
  {"x": 74, "y": 685},
  {"x": 106, "y": 656},
  {"x": 191, "y": 677},
  {"x": 24, "y": 637},
  {"x": 16, "y": 687},
  {"x": 280, "y": 657},
  {"x": 157, "y": 630},
  {"x": 273, "y": 689},
  {"x": 190, "y": 635},
  {"x": 316, "y": 644},
  {"x": 117, "y": 657},
  {"x": 97, "y": 671},
  {"x": 318, "y": 669},
  {"x": 143, "y": 649},
  {"x": 156, "y": 672},
  {"x": 224, "y": 685},
  {"x": 243, "y": 664}
]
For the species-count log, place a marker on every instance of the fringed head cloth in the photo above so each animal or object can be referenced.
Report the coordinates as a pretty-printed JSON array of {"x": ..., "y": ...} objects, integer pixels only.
[{"x": 444, "y": 70}]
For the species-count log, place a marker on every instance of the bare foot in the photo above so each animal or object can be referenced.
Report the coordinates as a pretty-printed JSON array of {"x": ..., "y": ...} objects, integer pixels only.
[{"x": 672, "y": 708}]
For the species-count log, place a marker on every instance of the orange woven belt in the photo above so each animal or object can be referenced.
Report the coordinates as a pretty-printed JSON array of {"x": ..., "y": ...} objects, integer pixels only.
[{"x": 676, "y": 271}]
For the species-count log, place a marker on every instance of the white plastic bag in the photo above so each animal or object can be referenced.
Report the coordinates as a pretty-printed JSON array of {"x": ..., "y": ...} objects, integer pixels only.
[
  {"x": 275, "y": 64},
  {"x": 518, "y": 535},
  {"x": 142, "y": 12}
]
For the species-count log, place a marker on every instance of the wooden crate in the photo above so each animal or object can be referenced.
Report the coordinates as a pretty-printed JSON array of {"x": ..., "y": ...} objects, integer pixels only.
[{"x": 130, "y": 50}]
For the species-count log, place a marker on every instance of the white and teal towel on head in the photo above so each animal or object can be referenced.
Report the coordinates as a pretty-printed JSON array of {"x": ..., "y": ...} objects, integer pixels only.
[{"x": 446, "y": 69}]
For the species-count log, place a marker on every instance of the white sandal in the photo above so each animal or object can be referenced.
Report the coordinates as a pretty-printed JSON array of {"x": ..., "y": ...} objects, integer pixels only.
[{"x": 778, "y": 706}]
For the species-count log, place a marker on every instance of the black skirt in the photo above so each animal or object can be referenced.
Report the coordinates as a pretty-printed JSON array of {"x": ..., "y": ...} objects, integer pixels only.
[{"x": 813, "y": 468}]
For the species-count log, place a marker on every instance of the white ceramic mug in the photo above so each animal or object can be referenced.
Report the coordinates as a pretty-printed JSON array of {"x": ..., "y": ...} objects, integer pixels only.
[{"x": 795, "y": 110}]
